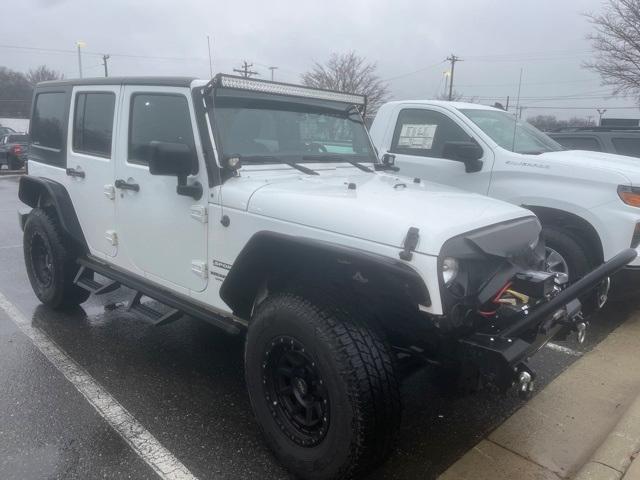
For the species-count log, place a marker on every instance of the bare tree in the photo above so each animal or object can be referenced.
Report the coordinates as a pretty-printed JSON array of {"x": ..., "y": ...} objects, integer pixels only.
[
  {"x": 42, "y": 74},
  {"x": 351, "y": 73},
  {"x": 616, "y": 42}
]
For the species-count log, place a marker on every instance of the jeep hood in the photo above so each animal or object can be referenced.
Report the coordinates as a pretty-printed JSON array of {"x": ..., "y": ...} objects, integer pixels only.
[
  {"x": 375, "y": 207},
  {"x": 627, "y": 167}
]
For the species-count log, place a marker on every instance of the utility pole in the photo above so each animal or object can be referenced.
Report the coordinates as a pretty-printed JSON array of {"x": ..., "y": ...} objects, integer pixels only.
[
  {"x": 453, "y": 59},
  {"x": 105, "y": 57},
  {"x": 80, "y": 45},
  {"x": 272, "y": 70},
  {"x": 210, "y": 62},
  {"x": 507, "y": 107},
  {"x": 245, "y": 70},
  {"x": 601, "y": 112}
]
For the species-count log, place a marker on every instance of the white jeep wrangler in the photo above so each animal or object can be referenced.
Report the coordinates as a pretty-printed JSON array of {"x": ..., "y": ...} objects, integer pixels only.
[
  {"x": 587, "y": 202},
  {"x": 261, "y": 208}
]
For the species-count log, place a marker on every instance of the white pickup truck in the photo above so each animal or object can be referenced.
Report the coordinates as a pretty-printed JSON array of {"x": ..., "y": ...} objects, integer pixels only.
[{"x": 587, "y": 202}]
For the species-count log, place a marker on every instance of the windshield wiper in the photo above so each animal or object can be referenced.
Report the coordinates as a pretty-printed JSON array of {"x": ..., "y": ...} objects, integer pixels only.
[
  {"x": 271, "y": 158},
  {"x": 340, "y": 158}
]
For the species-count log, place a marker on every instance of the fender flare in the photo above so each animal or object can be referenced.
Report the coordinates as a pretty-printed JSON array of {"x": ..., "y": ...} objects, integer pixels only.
[
  {"x": 269, "y": 252},
  {"x": 33, "y": 191}
]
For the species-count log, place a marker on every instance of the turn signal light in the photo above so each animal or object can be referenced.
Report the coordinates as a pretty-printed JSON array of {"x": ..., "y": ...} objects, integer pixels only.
[{"x": 629, "y": 195}]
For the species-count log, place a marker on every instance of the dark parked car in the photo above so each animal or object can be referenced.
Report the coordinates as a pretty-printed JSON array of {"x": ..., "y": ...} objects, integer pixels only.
[
  {"x": 4, "y": 130},
  {"x": 622, "y": 141},
  {"x": 13, "y": 150}
]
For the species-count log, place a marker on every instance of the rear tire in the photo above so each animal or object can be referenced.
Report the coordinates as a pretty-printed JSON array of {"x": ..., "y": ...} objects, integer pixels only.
[
  {"x": 51, "y": 262},
  {"x": 319, "y": 356}
]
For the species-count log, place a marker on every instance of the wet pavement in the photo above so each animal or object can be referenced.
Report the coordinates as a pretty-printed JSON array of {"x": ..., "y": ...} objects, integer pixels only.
[{"x": 184, "y": 383}]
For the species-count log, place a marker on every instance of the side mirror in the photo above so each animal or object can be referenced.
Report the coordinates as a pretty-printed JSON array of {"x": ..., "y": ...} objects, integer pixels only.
[
  {"x": 232, "y": 162},
  {"x": 175, "y": 160},
  {"x": 468, "y": 153}
]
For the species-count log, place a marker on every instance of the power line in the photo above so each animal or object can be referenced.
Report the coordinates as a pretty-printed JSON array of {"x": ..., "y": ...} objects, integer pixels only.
[{"x": 402, "y": 75}]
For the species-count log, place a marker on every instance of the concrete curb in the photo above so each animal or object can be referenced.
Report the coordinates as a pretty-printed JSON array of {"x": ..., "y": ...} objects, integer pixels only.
[{"x": 613, "y": 458}]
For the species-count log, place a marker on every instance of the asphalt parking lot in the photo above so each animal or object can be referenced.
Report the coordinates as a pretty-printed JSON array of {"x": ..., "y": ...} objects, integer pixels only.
[{"x": 184, "y": 383}]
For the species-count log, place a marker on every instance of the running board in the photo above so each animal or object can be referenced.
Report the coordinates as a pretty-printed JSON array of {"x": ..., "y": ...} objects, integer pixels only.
[
  {"x": 157, "y": 318},
  {"x": 84, "y": 280},
  {"x": 180, "y": 303}
]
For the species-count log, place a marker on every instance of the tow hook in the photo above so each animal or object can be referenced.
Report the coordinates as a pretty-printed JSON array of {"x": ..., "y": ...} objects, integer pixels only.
[
  {"x": 581, "y": 330},
  {"x": 525, "y": 382},
  {"x": 602, "y": 292}
]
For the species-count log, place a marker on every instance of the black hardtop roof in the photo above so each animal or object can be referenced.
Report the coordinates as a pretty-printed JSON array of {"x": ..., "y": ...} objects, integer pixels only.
[{"x": 151, "y": 81}]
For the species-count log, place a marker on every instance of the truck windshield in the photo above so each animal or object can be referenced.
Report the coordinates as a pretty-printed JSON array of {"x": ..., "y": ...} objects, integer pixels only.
[
  {"x": 264, "y": 131},
  {"x": 511, "y": 134}
]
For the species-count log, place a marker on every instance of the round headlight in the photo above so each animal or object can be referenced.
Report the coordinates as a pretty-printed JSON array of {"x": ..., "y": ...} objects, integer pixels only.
[{"x": 449, "y": 269}]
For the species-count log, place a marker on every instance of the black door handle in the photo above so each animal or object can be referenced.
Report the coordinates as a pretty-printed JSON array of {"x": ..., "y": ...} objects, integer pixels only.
[
  {"x": 72, "y": 172},
  {"x": 134, "y": 187}
]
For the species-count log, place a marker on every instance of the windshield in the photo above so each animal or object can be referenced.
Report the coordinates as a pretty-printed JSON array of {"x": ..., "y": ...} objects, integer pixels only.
[
  {"x": 264, "y": 131},
  {"x": 511, "y": 134}
]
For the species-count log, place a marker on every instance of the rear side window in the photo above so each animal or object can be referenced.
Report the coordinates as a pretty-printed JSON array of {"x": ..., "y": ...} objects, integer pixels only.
[
  {"x": 157, "y": 117},
  {"x": 579, "y": 143},
  {"x": 17, "y": 138},
  {"x": 48, "y": 127},
  {"x": 93, "y": 123},
  {"x": 424, "y": 133},
  {"x": 627, "y": 146}
]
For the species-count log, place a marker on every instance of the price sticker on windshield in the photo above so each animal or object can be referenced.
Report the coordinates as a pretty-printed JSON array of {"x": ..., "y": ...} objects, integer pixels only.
[{"x": 414, "y": 135}]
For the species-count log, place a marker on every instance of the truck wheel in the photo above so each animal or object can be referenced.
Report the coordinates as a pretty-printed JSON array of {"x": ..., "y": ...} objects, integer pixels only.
[
  {"x": 322, "y": 386},
  {"x": 51, "y": 262},
  {"x": 565, "y": 254}
]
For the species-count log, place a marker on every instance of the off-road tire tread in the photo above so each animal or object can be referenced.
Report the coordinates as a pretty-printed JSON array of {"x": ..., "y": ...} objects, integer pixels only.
[
  {"x": 64, "y": 255},
  {"x": 368, "y": 366}
]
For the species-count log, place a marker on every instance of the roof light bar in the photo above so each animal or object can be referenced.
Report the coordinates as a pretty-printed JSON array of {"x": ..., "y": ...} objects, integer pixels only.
[{"x": 231, "y": 81}]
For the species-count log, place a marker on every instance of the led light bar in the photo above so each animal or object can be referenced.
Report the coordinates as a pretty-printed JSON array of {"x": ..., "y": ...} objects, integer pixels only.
[{"x": 231, "y": 81}]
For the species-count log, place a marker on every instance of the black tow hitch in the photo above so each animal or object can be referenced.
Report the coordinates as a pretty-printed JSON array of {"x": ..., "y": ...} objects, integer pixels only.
[{"x": 500, "y": 358}]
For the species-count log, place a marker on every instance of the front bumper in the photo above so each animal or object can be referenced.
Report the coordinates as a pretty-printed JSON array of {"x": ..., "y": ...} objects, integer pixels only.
[{"x": 500, "y": 358}]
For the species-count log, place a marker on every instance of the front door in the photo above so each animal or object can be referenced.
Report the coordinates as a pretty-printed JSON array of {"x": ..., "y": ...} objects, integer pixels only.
[
  {"x": 418, "y": 142},
  {"x": 162, "y": 235}
]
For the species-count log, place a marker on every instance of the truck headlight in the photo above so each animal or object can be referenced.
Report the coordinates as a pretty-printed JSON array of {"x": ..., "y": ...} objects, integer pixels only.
[{"x": 449, "y": 269}]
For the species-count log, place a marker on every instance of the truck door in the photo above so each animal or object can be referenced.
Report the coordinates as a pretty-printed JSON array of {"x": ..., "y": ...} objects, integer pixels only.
[
  {"x": 90, "y": 164},
  {"x": 161, "y": 234},
  {"x": 418, "y": 140}
]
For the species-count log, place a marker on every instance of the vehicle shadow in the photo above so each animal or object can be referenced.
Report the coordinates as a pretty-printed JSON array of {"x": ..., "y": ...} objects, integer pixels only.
[{"x": 185, "y": 383}]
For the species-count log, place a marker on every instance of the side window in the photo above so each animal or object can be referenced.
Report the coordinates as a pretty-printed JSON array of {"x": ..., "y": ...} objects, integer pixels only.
[
  {"x": 48, "y": 127},
  {"x": 424, "y": 133},
  {"x": 93, "y": 123},
  {"x": 579, "y": 143},
  {"x": 157, "y": 117},
  {"x": 627, "y": 146}
]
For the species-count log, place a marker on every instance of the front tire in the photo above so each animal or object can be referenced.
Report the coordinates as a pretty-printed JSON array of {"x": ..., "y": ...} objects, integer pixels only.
[
  {"x": 51, "y": 262},
  {"x": 322, "y": 386}
]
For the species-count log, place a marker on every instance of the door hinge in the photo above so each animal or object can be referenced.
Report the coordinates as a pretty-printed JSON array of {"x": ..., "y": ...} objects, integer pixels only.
[
  {"x": 112, "y": 237},
  {"x": 109, "y": 192},
  {"x": 199, "y": 268},
  {"x": 199, "y": 212}
]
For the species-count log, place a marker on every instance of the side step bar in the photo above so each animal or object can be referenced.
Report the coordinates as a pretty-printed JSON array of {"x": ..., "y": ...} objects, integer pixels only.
[
  {"x": 85, "y": 280},
  {"x": 179, "y": 303},
  {"x": 157, "y": 318}
]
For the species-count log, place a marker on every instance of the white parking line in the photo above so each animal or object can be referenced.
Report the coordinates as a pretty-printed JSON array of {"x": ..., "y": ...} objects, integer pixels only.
[
  {"x": 139, "y": 438},
  {"x": 561, "y": 349}
]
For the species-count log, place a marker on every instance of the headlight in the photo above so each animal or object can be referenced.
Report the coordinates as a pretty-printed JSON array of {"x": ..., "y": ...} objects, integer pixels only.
[{"x": 449, "y": 269}]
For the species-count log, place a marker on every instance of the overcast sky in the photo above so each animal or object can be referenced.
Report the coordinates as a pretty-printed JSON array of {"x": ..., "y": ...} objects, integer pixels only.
[{"x": 408, "y": 39}]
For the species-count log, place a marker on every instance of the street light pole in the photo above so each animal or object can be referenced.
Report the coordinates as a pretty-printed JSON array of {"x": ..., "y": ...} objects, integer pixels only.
[
  {"x": 80, "y": 45},
  {"x": 601, "y": 112},
  {"x": 272, "y": 70}
]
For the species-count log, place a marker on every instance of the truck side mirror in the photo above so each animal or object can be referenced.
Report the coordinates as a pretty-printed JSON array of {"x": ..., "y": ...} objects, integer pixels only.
[
  {"x": 468, "y": 153},
  {"x": 175, "y": 159},
  {"x": 389, "y": 162}
]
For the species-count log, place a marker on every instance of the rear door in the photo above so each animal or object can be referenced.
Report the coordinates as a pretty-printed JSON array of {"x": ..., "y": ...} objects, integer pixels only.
[
  {"x": 90, "y": 164},
  {"x": 418, "y": 141},
  {"x": 162, "y": 235}
]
